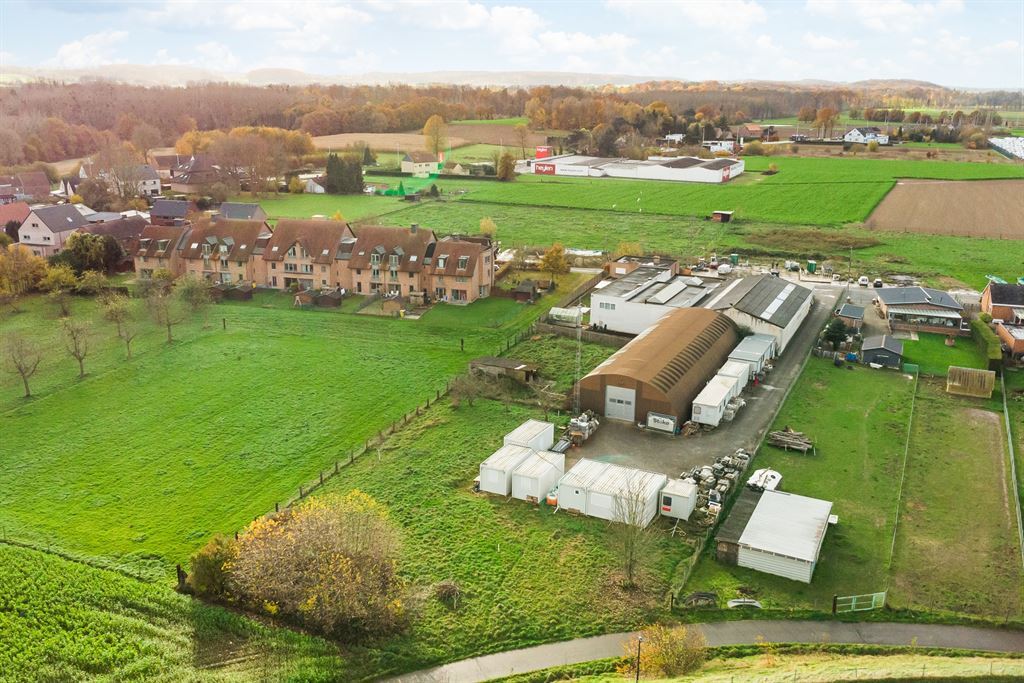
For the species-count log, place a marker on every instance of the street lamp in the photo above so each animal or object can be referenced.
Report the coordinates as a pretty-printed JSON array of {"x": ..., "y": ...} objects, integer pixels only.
[{"x": 639, "y": 639}]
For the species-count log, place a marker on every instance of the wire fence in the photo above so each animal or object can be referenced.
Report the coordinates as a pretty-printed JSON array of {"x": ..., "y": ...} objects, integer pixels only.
[
  {"x": 1013, "y": 467},
  {"x": 903, "y": 478},
  {"x": 943, "y": 670}
]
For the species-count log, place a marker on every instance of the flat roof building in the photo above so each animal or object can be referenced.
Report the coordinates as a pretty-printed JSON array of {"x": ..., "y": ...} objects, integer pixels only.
[
  {"x": 634, "y": 302},
  {"x": 679, "y": 169}
]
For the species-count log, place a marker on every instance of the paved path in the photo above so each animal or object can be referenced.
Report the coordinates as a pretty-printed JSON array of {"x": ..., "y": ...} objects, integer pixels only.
[{"x": 723, "y": 633}]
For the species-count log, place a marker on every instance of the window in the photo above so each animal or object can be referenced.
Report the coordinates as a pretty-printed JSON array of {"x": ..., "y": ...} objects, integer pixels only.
[
  {"x": 238, "y": 263},
  {"x": 359, "y": 287},
  {"x": 463, "y": 262},
  {"x": 606, "y": 306},
  {"x": 375, "y": 274},
  {"x": 273, "y": 266},
  {"x": 291, "y": 268},
  {"x": 46, "y": 238},
  {"x": 462, "y": 279},
  {"x": 323, "y": 282},
  {"x": 440, "y": 278},
  {"x": 223, "y": 248},
  {"x": 375, "y": 259},
  {"x": 393, "y": 261},
  {"x": 323, "y": 269},
  {"x": 143, "y": 259},
  {"x": 206, "y": 250},
  {"x": 273, "y": 282},
  {"x": 666, "y": 500},
  {"x": 411, "y": 276},
  {"x": 291, "y": 251},
  {"x": 307, "y": 268},
  {"x": 441, "y": 261},
  {"x": 223, "y": 263}
]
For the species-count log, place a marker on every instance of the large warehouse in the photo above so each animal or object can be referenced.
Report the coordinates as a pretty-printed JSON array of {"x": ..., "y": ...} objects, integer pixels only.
[
  {"x": 680, "y": 169},
  {"x": 663, "y": 369},
  {"x": 765, "y": 305}
]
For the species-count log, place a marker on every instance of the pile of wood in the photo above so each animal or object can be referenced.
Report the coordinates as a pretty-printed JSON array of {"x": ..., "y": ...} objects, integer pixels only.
[{"x": 789, "y": 438}]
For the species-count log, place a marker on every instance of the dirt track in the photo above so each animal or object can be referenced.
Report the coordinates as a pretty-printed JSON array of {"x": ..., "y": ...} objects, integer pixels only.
[
  {"x": 969, "y": 208},
  {"x": 380, "y": 142}
]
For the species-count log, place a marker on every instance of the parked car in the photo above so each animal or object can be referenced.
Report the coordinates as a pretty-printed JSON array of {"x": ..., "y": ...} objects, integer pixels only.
[
  {"x": 863, "y": 281},
  {"x": 877, "y": 283}
]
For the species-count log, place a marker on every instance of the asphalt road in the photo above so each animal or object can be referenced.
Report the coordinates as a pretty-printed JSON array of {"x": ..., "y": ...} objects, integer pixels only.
[{"x": 540, "y": 657}]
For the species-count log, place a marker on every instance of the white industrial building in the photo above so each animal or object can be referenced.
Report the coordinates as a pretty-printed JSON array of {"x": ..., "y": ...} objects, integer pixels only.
[
  {"x": 634, "y": 302},
  {"x": 679, "y": 169},
  {"x": 496, "y": 471},
  {"x": 784, "y": 535},
  {"x": 612, "y": 492},
  {"x": 537, "y": 475},
  {"x": 756, "y": 351},
  {"x": 678, "y": 499},
  {"x": 533, "y": 434},
  {"x": 765, "y": 305},
  {"x": 709, "y": 406}
]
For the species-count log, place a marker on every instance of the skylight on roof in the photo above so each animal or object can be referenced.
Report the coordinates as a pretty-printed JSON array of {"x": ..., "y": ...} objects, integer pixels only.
[
  {"x": 324, "y": 252},
  {"x": 274, "y": 248},
  {"x": 412, "y": 258},
  {"x": 194, "y": 245},
  {"x": 243, "y": 246}
]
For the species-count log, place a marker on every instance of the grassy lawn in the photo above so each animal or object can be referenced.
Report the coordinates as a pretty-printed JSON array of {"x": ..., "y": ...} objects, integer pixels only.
[
  {"x": 65, "y": 621},
  {"x": 234, "y": 418},
  {"x": 1015, "y": 403},
  {"x": 858, "y": 420},
  {"x": 353, "y": 207},
  {"x": 555, "y": 357},
  {"x": 957, "y": 547},
  {"x": 528, "y": 576},
  {"x": 933, "y": 357}
]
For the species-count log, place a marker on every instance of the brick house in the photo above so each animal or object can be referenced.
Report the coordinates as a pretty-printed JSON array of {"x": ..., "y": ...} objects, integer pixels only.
[
  {"x": 921, "y": 309},
  {"x": 390, "y": 260},
  {"x": 1004, "y": 302},
  {"x": 46, "y": 228},
  {"x": 157, "y": 249},
  {"x": 224, "y": 251},
  {"x": 308, "y": 253},
  {"x": 461, "y": 270}
]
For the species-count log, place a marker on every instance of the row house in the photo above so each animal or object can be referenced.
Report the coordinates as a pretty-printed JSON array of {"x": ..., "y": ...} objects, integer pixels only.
[
  {"x": 461, "y": 270},
  {"x": 310, "y": 254},
  {"x": 158, "y": 248},
  {"x": 390, "y": 260},
  {"x": 224, "y": 251}
]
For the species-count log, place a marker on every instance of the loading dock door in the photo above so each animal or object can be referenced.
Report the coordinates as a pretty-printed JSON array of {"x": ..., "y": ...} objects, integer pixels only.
[{"x": 620, "y": 403}]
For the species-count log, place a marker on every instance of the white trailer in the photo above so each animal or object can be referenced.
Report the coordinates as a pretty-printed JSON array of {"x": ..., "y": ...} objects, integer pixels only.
[
  {"x": 755, "y": 350},
  {"x": 536, "y": 475},
  {"x": 678, "y": 499},
  {"x": 496, "y": 471},
  {"x": 611, "y": 492},
  {"x": 709, "y": 406},
  {"x": 533, "y": 434},
  {"x": 738, "y": 370}
]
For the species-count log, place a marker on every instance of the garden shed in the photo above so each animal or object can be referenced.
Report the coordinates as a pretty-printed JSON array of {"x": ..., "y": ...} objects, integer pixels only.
[
  {"x": 496, "y": 471},
  {"x": 882, "y": 350},
  {"x": 537, "y": 475},
  {"x": 709, "y": 406},
  {"x": 678, "y": 499},
  {"x": 533, "y": 434},
  {"x": 970, "y": 382},
  {"x": 784, "y": 535},
  {"x": 612, "y": 492}
]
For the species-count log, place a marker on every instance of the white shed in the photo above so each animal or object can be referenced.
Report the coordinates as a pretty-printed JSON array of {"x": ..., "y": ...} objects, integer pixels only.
[
  {"x": 755, "y": 350},
  {"x": 496, "y": 471},
  {"x": 710, "y": 403},
  {"x": 678, "y": 499},
  {"x": 784, "y": 535},
  {"x": 534, "y": 434},
  {"x": 610, "y": 491},
  {"x": 738, "y": 370},
  {"x": 537, "y": 475}
]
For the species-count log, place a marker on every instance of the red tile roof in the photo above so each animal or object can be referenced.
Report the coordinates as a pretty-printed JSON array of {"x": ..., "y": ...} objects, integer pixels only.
[
  {"x": 16, "y": 211},
  {"x": 151, "y": 237},
  {"x": 239, "y": 238},
  {"x": 322, "y": 239},
  {"x": 409, "y": 246}
]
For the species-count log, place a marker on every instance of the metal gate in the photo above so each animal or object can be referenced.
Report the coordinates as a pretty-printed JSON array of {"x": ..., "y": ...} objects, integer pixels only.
[
  {"x": 858, "y": 603},
  {"x": 619, "y": 403}
]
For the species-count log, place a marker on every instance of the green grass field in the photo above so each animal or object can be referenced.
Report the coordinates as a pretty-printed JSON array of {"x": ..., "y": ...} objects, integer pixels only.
[
  {"x": 522, "y": 569},
  {"x": 1015, "y": 404},
  {"x": 858, "y": 421},
  {"x": 197, "y": 438},
  {"x": 352, "y": 207},
  {"x": 957, "y": 546},
  {"x": 65, "y": 621},
  {"x": 933, "y": 357}
]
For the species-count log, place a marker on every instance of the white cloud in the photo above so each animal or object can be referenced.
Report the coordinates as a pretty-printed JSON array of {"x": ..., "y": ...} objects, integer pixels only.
[
  {"x": 733, "y": 14},
  {"x": 764, "y": 42},
  {"x": 560, "y": 42},
  {"x": 214, "y": 55},
  {"x": 6, "y": 57},
  {"x": 94, "y": 49},
  {"x": 820, "y": 42},
  {"x": 898, "y": 16}
]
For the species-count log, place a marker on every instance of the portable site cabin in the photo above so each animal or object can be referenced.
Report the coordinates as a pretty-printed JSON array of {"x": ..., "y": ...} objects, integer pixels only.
[
  {"x": 496, "y": 471},
  {"x": 755, "y": 350},
  {"x": 784, "y": 535},
  {"x": 709, "y": 406},
  {"x": 678, "y": 499},
  {"x": 537, "y": 475},
  {"x": 611, "y": 492},
  {"x": 739, "y": 371},
  {"x": 533, "y": 434}
]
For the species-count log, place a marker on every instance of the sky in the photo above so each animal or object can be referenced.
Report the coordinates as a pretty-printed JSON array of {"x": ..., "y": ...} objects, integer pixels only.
[{"x": 951, "y": 42}]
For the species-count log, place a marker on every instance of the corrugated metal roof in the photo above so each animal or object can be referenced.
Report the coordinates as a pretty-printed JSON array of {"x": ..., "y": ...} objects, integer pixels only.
[
  {"x": 883, "y": 341},
  {"x": 851, "y": 311},
  {"x": 931, "y": 312},
  {"x": 507, "y": 457},
  {"x": 527, "y": 431},
  {"x": 716, "y": 392},
  {"x": 758, "y": 344},
  {"x": 917, "y": 295},
  {"x": 678, "y": 487},
  {"x": 787, "y": 524},
  {"x": 734, "y": 369},
  {"x": 540, "y": 462},
  {"x": 583, "y": 473},
  {"x": 773, "y": 299}
]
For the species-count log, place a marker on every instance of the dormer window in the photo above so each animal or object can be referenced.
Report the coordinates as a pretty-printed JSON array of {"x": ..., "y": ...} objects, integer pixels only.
[
  {"x": 463, "y": 262},
  {"x": 441, "y": 260},
  {"x": 291, "y": 251},
  {"x": 206, "y": 250},
  {"x": 375, "y": 259},
  {"x": 161, "y": 245},
  {"x": 393, "y": 260},
  {"x": 223, "y": 248}
]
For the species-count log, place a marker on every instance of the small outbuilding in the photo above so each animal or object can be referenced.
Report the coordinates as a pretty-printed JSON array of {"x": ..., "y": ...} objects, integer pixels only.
[
  {"x": 756, "y": 351},
  {"x": 508, "y": 367},
  {"x": 612, "y": 492},
  {"x": 678, "y": 499},
  {"x": 537, "y": 475},
  {"x": 882, "y": 350},
  {"x": 970, "y": 382},
  {"x": 721, "y": 216},
  {"x": 739, "y": 371},
  {"x": 526, "y": 291},
  {"x": 534, "y": 434},
  {"x": 852, "y": 316},
  {"x": 709, "y": 406},
  {"x": 496, "y": 471}
]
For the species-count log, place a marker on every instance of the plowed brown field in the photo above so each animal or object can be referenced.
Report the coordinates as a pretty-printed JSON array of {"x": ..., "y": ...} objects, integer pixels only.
[{"x": 968, "y": 208}]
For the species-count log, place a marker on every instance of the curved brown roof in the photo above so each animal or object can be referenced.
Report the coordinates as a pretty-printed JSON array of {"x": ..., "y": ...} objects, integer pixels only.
[{"x": 677, "y": 355}]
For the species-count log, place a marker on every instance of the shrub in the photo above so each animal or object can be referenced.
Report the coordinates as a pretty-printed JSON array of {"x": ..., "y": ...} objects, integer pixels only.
[
  {"x": 987, "y": 341},
  {"x": 211, "y": 566},
  {"x": 296, "y": 186},
  {"x": 985, "y": 318},
  {"x": 754, "y": 148},
  {"x": 449, "y": 592},
  {"x": 666, "y": 651},
  {"x": 873, "y": 146}
]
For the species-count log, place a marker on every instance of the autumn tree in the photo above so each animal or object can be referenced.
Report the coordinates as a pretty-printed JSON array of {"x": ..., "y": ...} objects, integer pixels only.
[
  {"x": 117, "y": 309},
  {"x": 211, "y": 566},
  {"x": 536, "y": 113},
  {"x": 84, "y": 251},
  {"x": 162, "y": 306},
  {"x": 76, "y": 339},
  {"x": 145, "y": 137},
  {"x": 330, "y": 564},
  {"x": 122, "y": 169},
  {"x": 92, "y": 282},
  {"x": 20, "y": 272},
  {"x": 665, "y": 652},
  {"x": 23, "y": 357},
  {"x": 506, "y": 167},
  {"x": 554, "y": 261},
  {"x": 59, "y": 281},
  {"x": 435, "y": 134},
  {"x": 522, "y": 136},
  {"x": 195, "y": 294},
  {"x": 488, "y": 227}
]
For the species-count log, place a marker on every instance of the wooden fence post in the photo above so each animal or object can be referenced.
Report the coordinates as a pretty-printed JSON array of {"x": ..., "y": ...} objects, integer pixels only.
[
  {"x": 321, "y": 477},
  {"x": 335, "y": 466},
  {"x": 224, "y": 322},
  {"x": 277, "y": 507},
  {"x": 301, "y": 494}
]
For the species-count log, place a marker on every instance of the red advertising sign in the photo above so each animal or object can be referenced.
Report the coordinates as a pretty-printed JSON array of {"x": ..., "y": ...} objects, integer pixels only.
[
  {"x": 725, "y": 173},
  {"x": 543, "y": 152},
  {"x": 544, "y": 169}
]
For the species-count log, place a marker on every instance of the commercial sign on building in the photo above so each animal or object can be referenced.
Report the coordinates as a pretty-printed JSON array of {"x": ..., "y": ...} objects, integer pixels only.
[
  {"x": 544, "y": 169},
  {"x": 543, "y": 152}
]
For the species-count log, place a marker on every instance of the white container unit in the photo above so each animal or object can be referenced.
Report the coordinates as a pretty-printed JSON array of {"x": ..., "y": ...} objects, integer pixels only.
[
  {"x": 755, "y": 350},
  {"x": 738, "y": 370},
  {"x": 611, "y": 492},
  {"x": 537, "y": 475},
  {"x": 496, "y": 471},
  {"x": 709, "y": 406},
  {"x": 533, "y": 434},
  {"x": 678, "y": 499}
]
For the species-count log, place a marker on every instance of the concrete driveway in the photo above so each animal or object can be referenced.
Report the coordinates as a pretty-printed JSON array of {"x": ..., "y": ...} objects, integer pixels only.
[{"x": 626, "y": 445}]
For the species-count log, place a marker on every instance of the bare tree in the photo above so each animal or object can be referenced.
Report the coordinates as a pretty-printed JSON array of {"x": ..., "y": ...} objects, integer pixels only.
[
  {"x": 632, "y": 539},
  {"x": 522, "y": 135},
  {"x": 122, "y": 167},
  {"x": 117, "y": 310},
  {"x": 76, "y": 337},
  {"x": 23, "y": 357},
  {"x": 195, "y": 294},
  {"x": 163, "y": 308}
]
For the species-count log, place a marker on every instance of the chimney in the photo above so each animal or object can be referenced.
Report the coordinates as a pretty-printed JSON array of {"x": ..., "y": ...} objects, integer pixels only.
[{"x": 414, "y": 227}]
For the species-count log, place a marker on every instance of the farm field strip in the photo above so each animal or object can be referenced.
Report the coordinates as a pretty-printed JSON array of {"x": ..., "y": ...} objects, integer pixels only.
[
  {"x": 956, "y": 548},
  {"x": 859, "y": 453}
]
